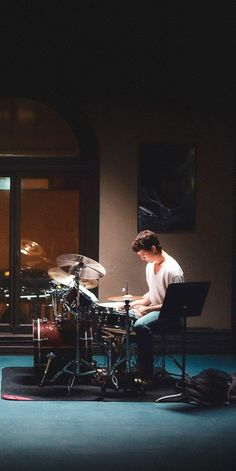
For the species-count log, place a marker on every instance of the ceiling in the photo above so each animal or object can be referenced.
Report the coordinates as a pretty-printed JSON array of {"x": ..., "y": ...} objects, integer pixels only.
[{"x": 172, "y": 53}]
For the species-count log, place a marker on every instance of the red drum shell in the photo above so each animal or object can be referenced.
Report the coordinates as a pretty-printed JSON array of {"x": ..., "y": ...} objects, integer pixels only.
[{"x": 59, "y": 339}]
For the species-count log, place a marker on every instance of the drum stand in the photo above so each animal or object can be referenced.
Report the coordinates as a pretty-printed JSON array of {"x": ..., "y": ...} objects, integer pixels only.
[
  {"x": 73, "y": 368},
  {"x": 50, "y": 357},
  {"x": 126, "y": 359}
]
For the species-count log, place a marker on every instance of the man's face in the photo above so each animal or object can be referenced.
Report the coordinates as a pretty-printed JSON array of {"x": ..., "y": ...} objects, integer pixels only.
[{"x": 147, "y": 255}]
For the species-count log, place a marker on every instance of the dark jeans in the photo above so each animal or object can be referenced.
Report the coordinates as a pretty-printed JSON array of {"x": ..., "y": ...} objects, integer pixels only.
[{"x": 144, "y": 327}]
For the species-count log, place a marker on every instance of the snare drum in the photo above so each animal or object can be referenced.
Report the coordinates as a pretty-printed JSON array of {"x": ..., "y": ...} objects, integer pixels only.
[
  {"x": 111, "y": 319},
  {"x": 108, "y": 316}
]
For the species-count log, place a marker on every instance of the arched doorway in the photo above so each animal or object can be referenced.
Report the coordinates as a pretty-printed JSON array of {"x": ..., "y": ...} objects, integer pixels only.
[{"x": 42, "y": 204}]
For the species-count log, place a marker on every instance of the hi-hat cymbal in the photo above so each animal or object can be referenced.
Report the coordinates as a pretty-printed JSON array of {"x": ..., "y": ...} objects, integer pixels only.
[
  {"x": 60, "y": 276},
  {"x": 85, "y": 267},
  {"x": 125, "y": 297}
]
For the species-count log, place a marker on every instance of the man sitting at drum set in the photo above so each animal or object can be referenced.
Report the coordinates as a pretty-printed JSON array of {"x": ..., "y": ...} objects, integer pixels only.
[{"x": 140, "y": 313}]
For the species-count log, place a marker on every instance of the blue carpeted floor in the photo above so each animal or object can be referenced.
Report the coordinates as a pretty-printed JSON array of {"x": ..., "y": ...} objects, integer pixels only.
[{"x": 118, "y": 436}]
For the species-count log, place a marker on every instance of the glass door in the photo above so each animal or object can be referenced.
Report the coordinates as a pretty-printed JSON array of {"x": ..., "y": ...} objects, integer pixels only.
[{"x": 40, "y": 221}]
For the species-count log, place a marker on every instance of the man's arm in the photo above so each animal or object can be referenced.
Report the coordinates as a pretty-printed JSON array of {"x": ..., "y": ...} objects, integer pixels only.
[
  {"x": 175, "y": 278},
  {"x": 143, "y": 310},
  {"x": 143, "y": 301},
  {"x": 143, "y": 306}
]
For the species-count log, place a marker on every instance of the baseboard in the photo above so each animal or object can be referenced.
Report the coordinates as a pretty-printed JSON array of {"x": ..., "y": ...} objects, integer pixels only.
[
  {"x": 201, "y": 341},
  {"x": 198, "y": 341},
  {"x": 16, "y": 344}
]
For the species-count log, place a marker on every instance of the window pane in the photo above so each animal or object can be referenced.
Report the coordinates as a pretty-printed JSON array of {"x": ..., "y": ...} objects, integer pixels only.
[
  {"x": 49, "y": 228},
  {"x": 5, "y": 183}
]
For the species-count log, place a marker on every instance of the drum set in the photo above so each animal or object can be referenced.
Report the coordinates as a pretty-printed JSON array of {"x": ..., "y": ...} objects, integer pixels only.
[{"x": 64, "y": 348}]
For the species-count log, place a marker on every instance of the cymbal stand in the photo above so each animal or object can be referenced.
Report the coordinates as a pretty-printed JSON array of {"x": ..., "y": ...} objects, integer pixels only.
[
  {"x": 126, "y": 359},
  {"x": 73, "y": 368}
]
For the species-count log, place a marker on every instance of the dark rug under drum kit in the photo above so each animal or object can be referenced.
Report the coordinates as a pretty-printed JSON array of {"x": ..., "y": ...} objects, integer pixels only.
[{"x": 65, "y": 366}]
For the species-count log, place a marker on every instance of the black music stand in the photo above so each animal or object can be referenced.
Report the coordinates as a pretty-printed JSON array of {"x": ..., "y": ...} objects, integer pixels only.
[{"x": 183, "y": 300}]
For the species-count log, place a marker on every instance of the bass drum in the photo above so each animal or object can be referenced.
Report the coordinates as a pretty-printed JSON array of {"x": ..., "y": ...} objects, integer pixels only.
[{"x": 59, "y": 341}]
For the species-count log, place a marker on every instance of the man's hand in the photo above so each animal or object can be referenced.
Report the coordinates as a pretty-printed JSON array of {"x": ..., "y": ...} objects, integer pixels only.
[{"x": 142, "y": 310}]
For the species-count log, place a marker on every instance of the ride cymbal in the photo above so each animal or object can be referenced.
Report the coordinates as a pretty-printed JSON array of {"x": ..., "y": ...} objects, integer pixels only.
[
  {"x": 125, "y": 297},
  {"x": 85, "y": 267}
]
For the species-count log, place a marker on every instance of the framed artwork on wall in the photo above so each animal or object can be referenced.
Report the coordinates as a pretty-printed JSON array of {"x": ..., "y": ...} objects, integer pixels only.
[{"x": 166, "y": 187}]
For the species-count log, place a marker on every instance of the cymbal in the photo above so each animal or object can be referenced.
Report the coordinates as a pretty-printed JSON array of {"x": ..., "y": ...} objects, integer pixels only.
[
  {"x": 31, "y": 248},
  {"x": 33, "y": 255},
  {"x": 63, "y": 278},
  {"x": 60, "y": 276},
  {"x": 125, "y": 297},
  {"x": 89, "y": 284},
  {"x": 79, "y": 264}
]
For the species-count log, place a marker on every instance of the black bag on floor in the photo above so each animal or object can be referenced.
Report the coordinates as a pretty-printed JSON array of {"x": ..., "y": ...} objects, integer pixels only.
[
  {"x": 210, "y": 386},
  {"x": 232, "y": 390}
]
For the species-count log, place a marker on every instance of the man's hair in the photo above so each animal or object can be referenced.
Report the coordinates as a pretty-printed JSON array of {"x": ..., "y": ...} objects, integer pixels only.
[{"x": 145, "y": 240}]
